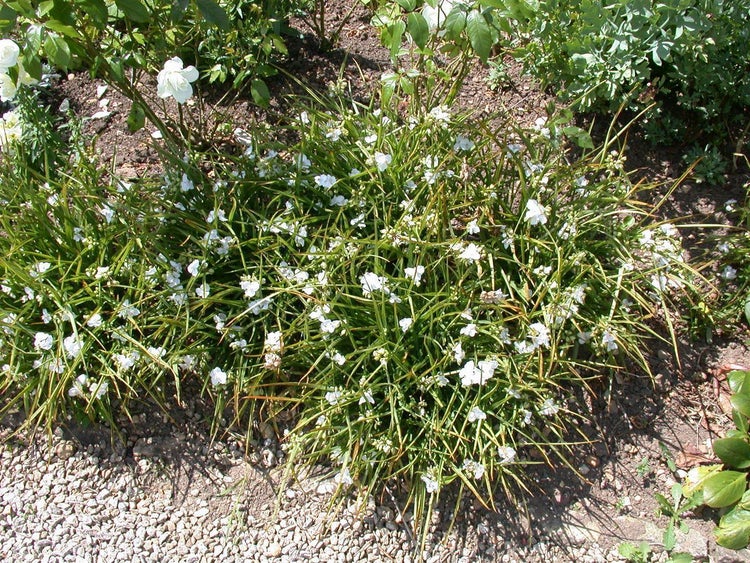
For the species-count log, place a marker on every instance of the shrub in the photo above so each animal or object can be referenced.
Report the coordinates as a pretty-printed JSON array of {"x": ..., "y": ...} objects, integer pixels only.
[{"x": 688, "y": 56}]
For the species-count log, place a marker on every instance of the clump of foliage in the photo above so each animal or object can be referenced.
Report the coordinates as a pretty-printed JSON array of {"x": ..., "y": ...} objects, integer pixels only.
[
  {"x": 725, "y": 485},
  {"x": 689, "y": 57},
  {"x": 228, "y": 40}
]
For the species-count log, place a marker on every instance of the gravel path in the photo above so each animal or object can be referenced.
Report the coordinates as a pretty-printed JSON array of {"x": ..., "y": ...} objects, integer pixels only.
[{"x": 179, "y": 497}]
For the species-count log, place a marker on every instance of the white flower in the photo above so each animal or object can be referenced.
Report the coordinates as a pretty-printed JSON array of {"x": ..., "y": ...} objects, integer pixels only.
[
  {"x": 273, "y": 341},
  {"x": 329, "y": 326},
  {"x": 463, "y": 144},
  {"x": 479, "y": 374},
  {"x": 507, "y": 454},
  {"x": 405, "y": 323},
  {"x": 337, "y": 358},
  {"x": 325, "y": 181},
  {"x": 194, "y": 267},
  {"x": 218, "y": 376},
  {"x": 382, "y": 161},
  {"x": 43, "y": 341},
  {"x": 609, "y": 342},
  {"x": 203, "y": 290},
  {"x": 108, "y": 213},
  {"x": 549, "y": 408},
  {"x": 128, "y": 311},
  {"x": 430, "y": 484},
  {"x": 219, "y": 214},
  {"x": 372, "y": 282},
  {"x": 472, "y": 228},
  {"x": 126, "y": 361},
  {"x": 333, "y": 397},
  {"x": 73, "y": 345},
  {"x": 730, "y": 205},
  {"x": 77, "y": 390},
  {"x": 476, "y": 414},
  {"x": 539, "y": 335},
  {"x": 729, "y": 273},
  {"x": 11, "y": 127},
  {"x": 250, "y": 286},
  {"x": 471, "y": 252},
  {"x": 9, "y": 53},
  {"x": 8, "y": 88},
  {"x": 536, "y": 214},
  {"x": 473, "y": 467},
  {"x": 39, "y": 268},
  {"x": 458, "y": 353},
  {"x": 584, "y": 337},
  {"x": 338, "y": 201},
  {"x": 174, "y": 80},
  {"x": 415, "y": 274},
  {"x": 469, "y": 330}
]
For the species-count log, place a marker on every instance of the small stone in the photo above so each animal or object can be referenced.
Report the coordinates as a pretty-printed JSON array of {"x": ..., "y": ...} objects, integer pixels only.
[{"x": 274, "y": 550}]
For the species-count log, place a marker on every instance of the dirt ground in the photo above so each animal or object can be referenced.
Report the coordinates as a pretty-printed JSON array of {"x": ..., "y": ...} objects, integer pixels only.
[{"x": 642, "y": 425}]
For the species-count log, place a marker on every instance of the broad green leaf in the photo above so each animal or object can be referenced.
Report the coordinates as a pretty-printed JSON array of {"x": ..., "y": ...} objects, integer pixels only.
[
  {"x": 134, "y": 10},
  {"x": 744, "y": 503},
  {"x": 214, "y": 13},
  {"x": 734, "y": 452},
  {"x": 57, "y": 50},
  {"x": 697, "y": 477},
  {"x": 733, "y": 531},
  {"x": 97, "y": 11},
  {"x": 392, "y": 35},
  {"x": 260, "y": 93},
  {"x": 741, "y": 402},
  {"x": 455, "y": 23},
  {"x": 724, "y": 489},
  {"x": 407, "y": 5},
  {"x": 418, "y": 28},
  {"x": 579, "y": 136},
  {"x": 738, "y": 381},
  {"x": 62, "y": 29},
  {"x": 747, "y": 310},
  {"x": 480, "y": 34},
  {"x": 136, "y": 118},
  {"x": 178, "y": 9},
  {"x": 7, "y": 17}
]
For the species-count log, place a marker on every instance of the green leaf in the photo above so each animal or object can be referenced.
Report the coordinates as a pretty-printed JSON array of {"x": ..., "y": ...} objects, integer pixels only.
[
  {"x": 724, "y": 489},
  {"x": 733, "y": 531},
  {"x": 747, "y": 310},
  {"x": 407, "y": 5},
  {"x": 579, "y": 136},
  {"x": 134, "y": 10},
  {"x": 480, "y": 34},
  {"x": 738, "y": 380},
  {"x": 62, "y": 29},
  {"x": 57, "y": 50},
  {"x": 741, "y": 402},
  {"x": 136, "y": 118},
  {"x": 97, "y": 11},
  {"x": 418, "y": 28},
  {"x": 680, "y": 557},
  {"x": 455, "y": 23},
  {"x": 734, "y": 452},
  {"x": 697, "y": 477},
  {"x": 214, "y": 13},
  {"x": 178, "y": 9},
  {"x": 670, "y": 537},
  {"x": 260, "y": 93}
]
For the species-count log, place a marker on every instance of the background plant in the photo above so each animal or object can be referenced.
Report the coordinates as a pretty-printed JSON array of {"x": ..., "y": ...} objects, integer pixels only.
[
  {"x": 689, "y": 57},
  {"x": 725, "y": 486}
]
